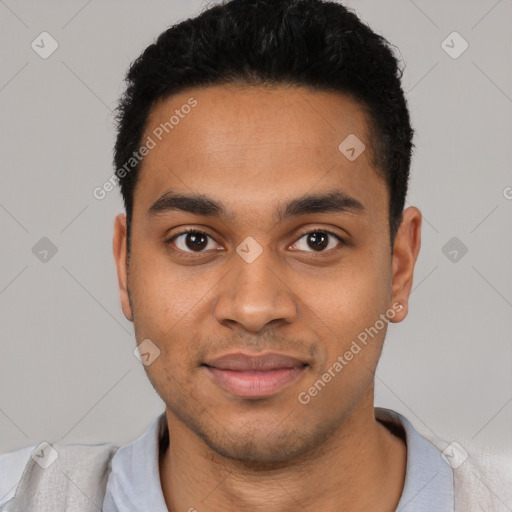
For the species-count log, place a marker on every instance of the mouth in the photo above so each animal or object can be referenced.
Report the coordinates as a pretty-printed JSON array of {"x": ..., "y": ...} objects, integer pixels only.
[{"x": 247, "y": 376}]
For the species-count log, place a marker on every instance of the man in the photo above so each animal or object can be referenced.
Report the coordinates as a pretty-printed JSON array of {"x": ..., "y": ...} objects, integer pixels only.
[{"x": 263, "y": 155}]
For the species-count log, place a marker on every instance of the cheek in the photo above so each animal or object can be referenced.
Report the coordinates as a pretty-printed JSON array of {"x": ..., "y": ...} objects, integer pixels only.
[
  {"x": 354, "y": 294},
  {"x": 348, "y": 320},
  {"x": 170, "y": 307},
  {"x": 164, "y": 296}
]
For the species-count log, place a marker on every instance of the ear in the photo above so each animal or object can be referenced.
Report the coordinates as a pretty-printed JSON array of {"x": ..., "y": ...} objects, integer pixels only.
[
  {"x": 119, "y": 247},
  {"x": 405, "y": 252}
]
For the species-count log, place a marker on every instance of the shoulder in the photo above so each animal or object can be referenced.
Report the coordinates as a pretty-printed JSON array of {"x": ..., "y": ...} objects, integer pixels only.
[
  {"x": 12, "y": 465},
  {"x": 484, "y": 481},
  {"x": 26, "y": 471},
  {"x": 482, "y": 478}
]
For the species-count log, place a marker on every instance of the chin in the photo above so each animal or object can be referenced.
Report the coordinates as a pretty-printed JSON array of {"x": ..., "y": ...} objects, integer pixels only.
[
  {"x": 267, "y": 445},
  {"x": 254, "y": 451}
]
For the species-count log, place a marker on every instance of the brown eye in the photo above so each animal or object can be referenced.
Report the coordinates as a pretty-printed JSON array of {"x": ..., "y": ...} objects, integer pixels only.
[
  {"x": 318, "y": 241},
  {"x": 191, "y": 241}
]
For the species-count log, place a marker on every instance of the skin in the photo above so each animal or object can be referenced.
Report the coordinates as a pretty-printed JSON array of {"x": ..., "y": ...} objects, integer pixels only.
[{"x": 253, "y": 149}]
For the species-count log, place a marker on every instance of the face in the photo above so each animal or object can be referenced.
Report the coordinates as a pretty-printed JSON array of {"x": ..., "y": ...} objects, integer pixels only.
[{"x": 254, "y": 235}]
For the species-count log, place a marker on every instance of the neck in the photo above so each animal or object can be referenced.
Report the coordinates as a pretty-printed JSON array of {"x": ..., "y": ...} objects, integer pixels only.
[{"x": 361, "y": 466}]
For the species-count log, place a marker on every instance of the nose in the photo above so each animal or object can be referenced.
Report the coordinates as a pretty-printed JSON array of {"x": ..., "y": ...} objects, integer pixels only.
[{"x": 254, "y": 296}]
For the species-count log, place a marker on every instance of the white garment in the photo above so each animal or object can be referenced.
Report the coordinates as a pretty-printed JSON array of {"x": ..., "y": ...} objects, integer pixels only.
[{"x": 58, "y": 478}]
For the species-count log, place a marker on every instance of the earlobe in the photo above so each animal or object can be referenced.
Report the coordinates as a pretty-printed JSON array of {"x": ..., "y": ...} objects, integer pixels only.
[
  {"x": 120, "y": 252},
  {"x": 405, "y": 253}
]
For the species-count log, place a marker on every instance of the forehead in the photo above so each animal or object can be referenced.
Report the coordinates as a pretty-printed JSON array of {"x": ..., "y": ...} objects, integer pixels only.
[{"x": 256, "y": 145}]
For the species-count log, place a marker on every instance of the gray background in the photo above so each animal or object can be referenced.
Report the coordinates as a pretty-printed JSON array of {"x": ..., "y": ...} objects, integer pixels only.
[{"x": 67, "y": 369}]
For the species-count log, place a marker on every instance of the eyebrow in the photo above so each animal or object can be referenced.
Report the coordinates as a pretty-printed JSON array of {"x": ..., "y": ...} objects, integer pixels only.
[{"x": 199, "y": 204}]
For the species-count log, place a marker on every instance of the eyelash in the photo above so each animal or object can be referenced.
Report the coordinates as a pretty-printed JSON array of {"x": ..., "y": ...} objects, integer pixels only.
[{"x": 193, "y": 254}]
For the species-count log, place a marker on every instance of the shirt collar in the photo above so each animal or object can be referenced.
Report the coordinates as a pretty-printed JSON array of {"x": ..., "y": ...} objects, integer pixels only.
[
  {"x": 429, "y": 479},
  {"x": 135, "y": 477},
  {"x": 134, "y": 480}
]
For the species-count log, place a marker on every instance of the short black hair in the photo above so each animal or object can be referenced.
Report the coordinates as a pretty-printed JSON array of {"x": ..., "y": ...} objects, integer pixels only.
[{"x": 311, "y": 43}]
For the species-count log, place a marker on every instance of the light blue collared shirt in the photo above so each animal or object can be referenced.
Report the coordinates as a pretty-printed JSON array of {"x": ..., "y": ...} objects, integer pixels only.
[{"x": 134, "y": 482}]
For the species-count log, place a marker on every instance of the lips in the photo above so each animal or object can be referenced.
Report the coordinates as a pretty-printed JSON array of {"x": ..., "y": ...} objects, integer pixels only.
[
  {"x": 247, "y": 376},
  {"x": 244, "y": 362}
]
